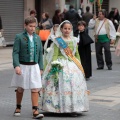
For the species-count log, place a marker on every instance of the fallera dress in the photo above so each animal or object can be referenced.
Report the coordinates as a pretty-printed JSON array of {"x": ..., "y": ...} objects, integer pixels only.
[{"x": 69, "y": 94}]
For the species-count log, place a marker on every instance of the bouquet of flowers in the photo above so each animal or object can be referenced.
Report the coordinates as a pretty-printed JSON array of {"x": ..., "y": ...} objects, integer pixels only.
[
  {"x": 48, "y": 50},
  {"x": 56, "y": 67}
]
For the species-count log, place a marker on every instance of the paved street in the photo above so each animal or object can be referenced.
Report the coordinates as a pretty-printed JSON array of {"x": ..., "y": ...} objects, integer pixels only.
[{"x": 104, "y": 97}]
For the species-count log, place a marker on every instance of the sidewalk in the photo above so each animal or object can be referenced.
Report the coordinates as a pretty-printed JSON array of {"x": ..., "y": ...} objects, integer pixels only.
[{"x": 5, "y": 58}]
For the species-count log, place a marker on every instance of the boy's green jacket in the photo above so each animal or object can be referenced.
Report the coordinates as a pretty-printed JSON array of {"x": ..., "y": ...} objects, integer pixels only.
[{"x": 21, "y": 49}]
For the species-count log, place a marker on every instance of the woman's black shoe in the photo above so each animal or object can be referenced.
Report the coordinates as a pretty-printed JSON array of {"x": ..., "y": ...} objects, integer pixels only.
[
  {"x": 109, "y": 68},
  {"x": 99, "y": 68}
]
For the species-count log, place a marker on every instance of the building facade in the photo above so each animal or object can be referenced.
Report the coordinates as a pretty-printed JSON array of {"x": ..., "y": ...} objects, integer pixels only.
[
  {"x": 114, "y": 4},
  {"x": 13, "y": 12}
]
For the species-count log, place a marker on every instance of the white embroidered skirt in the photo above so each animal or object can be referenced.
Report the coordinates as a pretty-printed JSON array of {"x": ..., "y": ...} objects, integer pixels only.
[
  {"x": 30, "y": 77},
  {"x": 69, "y": 95}
]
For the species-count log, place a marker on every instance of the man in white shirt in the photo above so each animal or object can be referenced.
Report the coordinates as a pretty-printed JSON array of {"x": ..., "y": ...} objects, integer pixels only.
[{"x": 105, "y": 34}]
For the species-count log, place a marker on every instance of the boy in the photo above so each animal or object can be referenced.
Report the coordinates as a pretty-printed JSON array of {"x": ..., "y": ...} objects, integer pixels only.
[{"x": 28, "y": 64}]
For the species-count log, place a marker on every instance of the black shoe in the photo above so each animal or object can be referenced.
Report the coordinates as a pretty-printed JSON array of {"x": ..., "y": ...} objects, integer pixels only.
[
  {"x": 109, "y": 68},
  {"x": 17, "y": 111},
  {"x": 88, "y": 78},
  {"x": 99, "y": 68},
  {"x": 37, "y": 116},
  {"x": 74, "y": 114}
]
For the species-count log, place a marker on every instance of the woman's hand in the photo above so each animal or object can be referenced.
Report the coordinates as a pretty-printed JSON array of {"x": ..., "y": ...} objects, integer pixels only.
[
  {"x": 39, "y": 24},
  {"x": 44, "y": 27},
  {"x": 94, "y": 17},
  {"x": 18, "y": 70},
  {"x": 112, "y": 41},
  {"x": 41, "y": 72}
]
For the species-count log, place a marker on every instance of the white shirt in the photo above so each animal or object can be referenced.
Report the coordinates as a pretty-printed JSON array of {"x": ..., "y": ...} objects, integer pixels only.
[
  {"x": 103, "y": 30},
  {"x": 30, "y": 37},
  {"x": 78, "y": 40}
]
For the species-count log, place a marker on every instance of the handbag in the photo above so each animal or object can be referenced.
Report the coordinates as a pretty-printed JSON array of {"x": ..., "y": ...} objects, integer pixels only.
[{"x": 44, "y": 34}]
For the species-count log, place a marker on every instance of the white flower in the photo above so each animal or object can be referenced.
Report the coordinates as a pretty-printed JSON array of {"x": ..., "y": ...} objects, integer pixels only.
[
  {"x": 116, "y": 21},
  {"x": 48, "y": 50},
  {"x": 0, "y": 34},
  {"x": 117, "y": 34},
  {"x": 57, "y": 63}
]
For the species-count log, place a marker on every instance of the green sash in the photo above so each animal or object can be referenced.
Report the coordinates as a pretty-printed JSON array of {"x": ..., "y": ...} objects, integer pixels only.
[{"x": 103, "y": 38}]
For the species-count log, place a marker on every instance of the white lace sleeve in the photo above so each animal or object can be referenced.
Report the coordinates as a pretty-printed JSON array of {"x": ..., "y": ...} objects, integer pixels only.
[{"x": 91, "y": 23}]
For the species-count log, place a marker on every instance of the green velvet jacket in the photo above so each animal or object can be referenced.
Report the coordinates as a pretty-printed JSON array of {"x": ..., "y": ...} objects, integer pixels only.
[{"x": 21, "y": 49}]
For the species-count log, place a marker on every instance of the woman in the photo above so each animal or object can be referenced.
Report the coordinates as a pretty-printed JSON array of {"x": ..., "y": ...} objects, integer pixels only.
[
  {"x": 57, "y": 19},
  {"x": 51, "y": 36},
  {"x": 114, "y": 17},
  {"x": 84, "y": 48},
  {"x": 33, "y": 14},
  {"x": 46, "y": 24},
  {"x": 64, "y": 90},
  {"x": 117, "y": 42},
  {"x": 48, "y": 44}
]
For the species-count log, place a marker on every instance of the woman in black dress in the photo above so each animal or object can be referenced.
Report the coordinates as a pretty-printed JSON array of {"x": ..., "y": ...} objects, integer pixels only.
[{"x": 84, "y": 48}]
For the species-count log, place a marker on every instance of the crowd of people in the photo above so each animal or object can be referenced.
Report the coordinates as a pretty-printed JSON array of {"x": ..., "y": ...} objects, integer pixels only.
[{"x": 59, "y": 73}]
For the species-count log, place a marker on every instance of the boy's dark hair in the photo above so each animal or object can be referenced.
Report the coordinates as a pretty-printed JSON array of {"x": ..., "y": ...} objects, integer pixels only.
[
  {"x": 32, "y": 12},
  {"x": 81, "y": 23},
  {"x": 29, "y": 20},
  {"x": 71, "y": 7},
  {"x": 87, "y": 8}
]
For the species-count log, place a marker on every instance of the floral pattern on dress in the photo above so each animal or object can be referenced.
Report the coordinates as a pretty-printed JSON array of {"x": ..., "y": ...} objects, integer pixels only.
[{"x": 71, "y": 93}]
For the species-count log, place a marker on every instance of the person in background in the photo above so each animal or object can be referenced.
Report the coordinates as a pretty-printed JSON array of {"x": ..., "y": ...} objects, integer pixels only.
[
  {"x": 28, "y": 65},
  {"x": 80, "y": 12},
  {"x": 51, "y": 37},
  {"x": 114, "y": 16},
  {"x": 84, "y": 48},
  {"x": 87, "y": 16},
  {"x": 33, "y": 14},
  {"x": 57, "y": 19},
  {"x": 73, "y": 17},
  {"x": 117, "y": 42},
  {"x": 63, "y": 14},
  {"x": 105, "y": 34},
  {"x": 45, "y": 24},
  {"x": 48, "y": 44}
]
